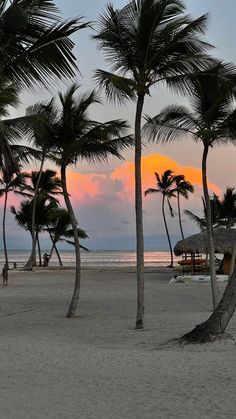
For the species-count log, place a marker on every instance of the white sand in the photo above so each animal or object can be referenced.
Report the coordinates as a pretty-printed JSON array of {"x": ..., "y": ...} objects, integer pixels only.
[{"x": 97, "y": 365}]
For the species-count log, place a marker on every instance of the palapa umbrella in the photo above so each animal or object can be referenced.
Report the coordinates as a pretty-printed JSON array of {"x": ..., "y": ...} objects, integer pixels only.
[{"x": 224, "y": 242}]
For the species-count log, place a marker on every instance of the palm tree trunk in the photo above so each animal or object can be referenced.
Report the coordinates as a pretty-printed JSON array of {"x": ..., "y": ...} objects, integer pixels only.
[
  {"x": 218, "y": 321},
  {"x": 54, "y": 247},
  {"x": 56, "y": 250},
  {"x": 32, "y": 260},
  {"x": 6, "y": 266},
  {"x": 179, "y": 213},
  {"x": 214, "y": 289},
  {"x": 75, "y": 297},
  {"x": 58, "y": 255},
  {"x": 39, "y": 249},
  {"x": 139, "y": 215},
  {"x": 167, "y": 232}
]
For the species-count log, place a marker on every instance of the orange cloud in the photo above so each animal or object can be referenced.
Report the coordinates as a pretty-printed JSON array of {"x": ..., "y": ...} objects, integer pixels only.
[
  {"x": 117, "y": 187},
  {"x": 156, "y": 163},
  {"x": 84, "y": 188}
]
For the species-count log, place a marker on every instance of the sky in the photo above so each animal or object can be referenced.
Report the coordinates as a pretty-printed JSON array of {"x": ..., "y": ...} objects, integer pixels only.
[{"x": 103, "y": 195}]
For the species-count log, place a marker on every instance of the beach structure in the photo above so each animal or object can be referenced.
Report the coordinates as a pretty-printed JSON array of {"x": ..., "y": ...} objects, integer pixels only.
[{"x": 193, "y": 247}]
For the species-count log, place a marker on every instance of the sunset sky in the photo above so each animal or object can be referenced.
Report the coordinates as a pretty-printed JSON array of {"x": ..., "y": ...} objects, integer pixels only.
[{"x": 103, "y": 195}]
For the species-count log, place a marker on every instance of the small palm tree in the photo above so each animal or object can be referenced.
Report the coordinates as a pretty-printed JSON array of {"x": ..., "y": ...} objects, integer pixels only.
[
  {"x": 146, "y": 43},
  {"x": 44, "y": 185},
  {"x": 182, "y": 188},
  {"x": 223, "y": 211},
  {"x": 59, "y": 229},
  {"x": 165, "y": 186},
  {"x": 23, "y": 217}
]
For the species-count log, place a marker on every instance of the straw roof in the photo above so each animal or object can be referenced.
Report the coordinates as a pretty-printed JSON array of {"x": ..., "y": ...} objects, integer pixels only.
[{"x": 224, "y": 241}]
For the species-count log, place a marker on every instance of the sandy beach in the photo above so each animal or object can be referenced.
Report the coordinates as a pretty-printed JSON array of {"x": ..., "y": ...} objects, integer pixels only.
[{"x": 97, "y": 365}]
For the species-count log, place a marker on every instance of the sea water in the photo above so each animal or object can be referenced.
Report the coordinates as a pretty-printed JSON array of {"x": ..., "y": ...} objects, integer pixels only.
[{"x": 106, "y": 258}]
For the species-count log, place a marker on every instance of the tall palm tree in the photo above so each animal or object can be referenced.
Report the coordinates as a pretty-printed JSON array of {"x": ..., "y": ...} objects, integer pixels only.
[
  {"x": 182, "y": 188},
  {"x": 207, "y": 123},
  {"x": 36, "y": 49},
  {"x": 78, "y": 138},
  {"x": 165, "y": 186},
  {"x": 147, "y": 42},
  {"x": 9, "y": 183}
]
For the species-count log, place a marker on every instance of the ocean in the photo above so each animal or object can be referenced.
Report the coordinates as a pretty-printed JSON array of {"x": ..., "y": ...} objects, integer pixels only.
[{"x": 97, "y": 258}]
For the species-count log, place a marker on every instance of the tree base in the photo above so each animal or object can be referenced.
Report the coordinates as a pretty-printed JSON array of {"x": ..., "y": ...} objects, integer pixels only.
[
  {"x": 202, "y": 333},
  {"x": 139, "y": 324}
]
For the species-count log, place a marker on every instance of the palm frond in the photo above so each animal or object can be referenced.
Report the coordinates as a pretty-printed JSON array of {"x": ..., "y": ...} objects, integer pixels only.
[
  {"x": 117, "y": 88},
  {"x": 172, "y": 123}
]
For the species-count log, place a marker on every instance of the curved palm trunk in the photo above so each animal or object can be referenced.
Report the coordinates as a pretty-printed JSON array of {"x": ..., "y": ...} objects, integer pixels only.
[
  {"x": 179, "y": 214},
  {"x": 56, "y": 250},
  {"x": 32, "y": 260},
  {"x": 54, "y": 247},
  {"x": 139, "y": 216},
  {"x": 167, "y": 232},
  {"x": 58, "y": 255},
  {"x": 75, "y": 297},
  {"x": 218, "y": 321},
  {"x": 214, "y": 289},
  {"x": 6, "y": 265}
]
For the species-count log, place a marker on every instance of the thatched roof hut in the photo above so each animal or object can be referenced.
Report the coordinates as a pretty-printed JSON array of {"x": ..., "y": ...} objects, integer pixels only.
[{"x": 224, "y": 241}]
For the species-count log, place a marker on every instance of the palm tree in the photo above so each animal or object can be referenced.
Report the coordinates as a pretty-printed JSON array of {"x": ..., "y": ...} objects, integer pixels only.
[
  {"x": 182, "y": 187},
  {"x": 43, "y": 183},
  {"x": 207, "y": 123},
  {"x": 9, "y": 183},
  {"x": 59, "y": 229},
  {"x": 147, "y": 42},
  {"x": 23, "y": 216},
  {"x": 35, "y": 50},
  {"x": 164, "y": 185},
  {"x": 78, "y": 138},
  {"x": 223, "y": 211}
]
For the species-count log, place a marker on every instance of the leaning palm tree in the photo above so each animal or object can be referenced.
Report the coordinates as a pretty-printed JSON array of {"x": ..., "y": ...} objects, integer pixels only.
[
  {"x": 59, "y": 229},
  {"x": 78, "y": 138},
  {"x": 165, "y": 186},
  {"x": 182, "y": 187},
  {"x": 207, "y": 123},
  {"x": 36, "y": 49},
  {"x": 147, "y": 42}
]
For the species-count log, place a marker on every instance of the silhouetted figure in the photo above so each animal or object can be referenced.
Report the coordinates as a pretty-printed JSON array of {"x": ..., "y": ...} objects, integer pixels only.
[
  {"x": 5, "y": 275},
  {"x": 45, "y": 259}
]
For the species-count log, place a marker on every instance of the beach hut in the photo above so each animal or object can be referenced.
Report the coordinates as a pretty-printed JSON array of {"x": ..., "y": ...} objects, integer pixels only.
[{"x": 193, "y": 246}]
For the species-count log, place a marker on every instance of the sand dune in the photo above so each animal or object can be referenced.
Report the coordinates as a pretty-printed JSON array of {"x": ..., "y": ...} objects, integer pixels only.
[{"x": 97, "y": 365}]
